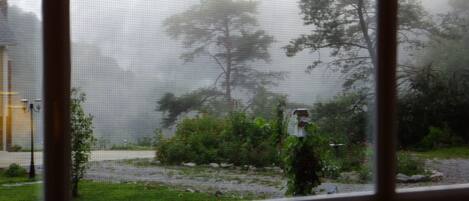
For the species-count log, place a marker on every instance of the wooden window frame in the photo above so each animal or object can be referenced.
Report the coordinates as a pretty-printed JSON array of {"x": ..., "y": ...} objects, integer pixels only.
[{"x": 56, "y": 82}]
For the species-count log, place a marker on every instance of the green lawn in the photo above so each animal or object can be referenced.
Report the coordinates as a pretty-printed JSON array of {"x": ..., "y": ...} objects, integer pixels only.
[
  {"x": 445, "y": 153},
  {"x": 100, "y": 191}
]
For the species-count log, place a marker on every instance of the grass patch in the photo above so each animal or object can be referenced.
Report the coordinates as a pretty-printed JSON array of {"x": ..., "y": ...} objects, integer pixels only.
[
  {"x": 132, "y": 147},
  {"x": 100, "y": 191},
  {"x": 445, "y": 153},
  {"x": 97, "y": 191}
]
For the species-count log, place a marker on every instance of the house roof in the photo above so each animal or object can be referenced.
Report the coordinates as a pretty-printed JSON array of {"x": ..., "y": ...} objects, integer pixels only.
[{"x": 6, "y": 35}]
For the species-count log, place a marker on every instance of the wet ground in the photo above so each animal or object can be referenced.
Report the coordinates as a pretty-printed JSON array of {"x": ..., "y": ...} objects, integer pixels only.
[
  {"x": 23, "y": 158},
  {"x": 260, "y": 182}
]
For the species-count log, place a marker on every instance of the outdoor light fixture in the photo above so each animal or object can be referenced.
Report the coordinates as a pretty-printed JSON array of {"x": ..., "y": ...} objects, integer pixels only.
[{"x": 31, "y": 106}]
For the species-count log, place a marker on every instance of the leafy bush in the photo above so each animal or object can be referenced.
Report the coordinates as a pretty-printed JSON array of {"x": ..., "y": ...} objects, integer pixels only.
[
  {"x": 409, "y": 165},
  {"x": 15, "y": 170},
  {"x": 196, "y": 140},
  {"x": 330, "y": 168},
  {"x": 354, "y": 157},
  {"x": 342, "y": 120},
  {"x": 248, "y": 141},
  {"x": 236, "y": 139},
  {"x": 302, "y": 164},
  {"x": 440, "y": 138}
]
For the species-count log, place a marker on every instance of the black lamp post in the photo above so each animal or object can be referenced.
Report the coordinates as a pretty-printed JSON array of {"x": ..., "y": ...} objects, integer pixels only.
[{"x": 31, "y": 106}]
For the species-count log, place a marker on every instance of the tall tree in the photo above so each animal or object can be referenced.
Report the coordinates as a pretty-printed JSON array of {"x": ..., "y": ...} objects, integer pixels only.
[
  {"x": 226, "y": 32},
  {"x": 347, "y": 29}
]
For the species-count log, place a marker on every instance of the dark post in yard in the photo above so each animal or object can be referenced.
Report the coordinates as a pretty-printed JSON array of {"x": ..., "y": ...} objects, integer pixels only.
[{"x": 31, "y": 107}]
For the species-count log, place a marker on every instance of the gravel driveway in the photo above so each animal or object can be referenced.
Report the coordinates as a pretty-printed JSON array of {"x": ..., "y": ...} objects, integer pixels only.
[
  {"x": 262, "y": 183},
  {"x": 455, "y": 171},
  {"x": 270, "y": 183},
  {"x": 23, "y": 158}
]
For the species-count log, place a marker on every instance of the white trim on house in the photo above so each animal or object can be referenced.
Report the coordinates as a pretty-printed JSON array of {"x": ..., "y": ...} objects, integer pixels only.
[{"x": 4, "y": 68}]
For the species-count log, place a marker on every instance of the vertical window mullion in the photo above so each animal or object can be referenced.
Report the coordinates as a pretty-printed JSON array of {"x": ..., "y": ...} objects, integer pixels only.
[
  {"x": 56, "y": 94},
  {"x": 386, "y": 96}
]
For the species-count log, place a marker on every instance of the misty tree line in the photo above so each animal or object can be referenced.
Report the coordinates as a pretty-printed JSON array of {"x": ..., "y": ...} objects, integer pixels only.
[
  {"x": 432, "y": 82},
  {"x": 227, "y": 32},
  {"x": 343, "y": 28}
]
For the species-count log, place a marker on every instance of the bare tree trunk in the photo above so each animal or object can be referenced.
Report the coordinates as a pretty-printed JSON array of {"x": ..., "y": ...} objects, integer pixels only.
[
  {"x": 228, "y": 47},
  {"x": 74, "y": 187},
  {"x": 366, "y": 35}
]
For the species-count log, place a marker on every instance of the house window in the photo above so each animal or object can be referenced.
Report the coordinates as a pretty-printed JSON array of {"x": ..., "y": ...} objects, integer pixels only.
[{"x": 231, "y": 95}]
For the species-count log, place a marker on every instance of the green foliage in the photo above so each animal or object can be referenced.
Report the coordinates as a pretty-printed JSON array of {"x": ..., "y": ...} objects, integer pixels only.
[
  {"x": 436, "y": 93},
  {"x": 344, "y": 118},
  {"x": 440, "y": 138},
  {"x": 280, "y": 124},
  {"x": 157, "y": 137},
  {"x": 434, "y": 98},
  {"x": 196, "y": 140},
  {"x": 410, "y": 165},
  {"x": 130, "y": 146},
  {"x": 15, "y": 170},
  {"x": 236, "y": 139},
  {"x": 365, "y": 173},
  {"x": 81, "y": 129},
  {"x": 353, "y": 157},
  {"x": 459, "y": 152},
  {"x": 301, "y": 163},
  {"x": 248, "y": 141},
  {"x": 105, "y": 191}
]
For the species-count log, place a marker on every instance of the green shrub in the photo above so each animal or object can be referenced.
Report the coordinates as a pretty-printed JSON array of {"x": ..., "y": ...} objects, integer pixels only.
[
  {"x": 410, "y": 165},
  {"x": 440, "y": 138},
  {"x": 173, "y": 152},
  {"x": 196, "y": 140},
  {"x": 15, "y": 170},
  {"x": 436, "y": 138},
  {"x": 302, "y": 163},
  {"x": 330, "y": 168},
  {"x": 253, "y": 139},
  {"x": 354, "y": 157},
  {"x": 236, "y": 139}
]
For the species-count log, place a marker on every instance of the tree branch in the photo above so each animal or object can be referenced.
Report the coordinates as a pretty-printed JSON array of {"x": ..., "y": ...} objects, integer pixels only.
[{"x": 218, "y": 62}]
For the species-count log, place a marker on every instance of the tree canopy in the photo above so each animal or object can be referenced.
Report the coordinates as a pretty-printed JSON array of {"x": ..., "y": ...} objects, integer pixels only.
[
  {"x": 347, "y": 30},
  {"x": 226, "y": 32}
]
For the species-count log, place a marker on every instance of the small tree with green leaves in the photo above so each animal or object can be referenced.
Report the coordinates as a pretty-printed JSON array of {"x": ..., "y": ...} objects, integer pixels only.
[
  {"x": 81, "y": 127},
  {"x": 301, "y": 162}
]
